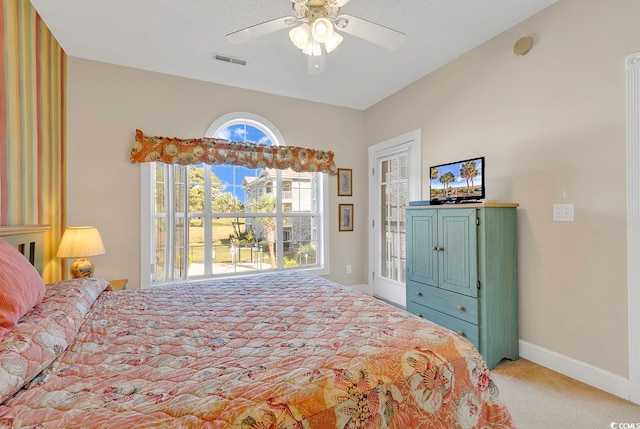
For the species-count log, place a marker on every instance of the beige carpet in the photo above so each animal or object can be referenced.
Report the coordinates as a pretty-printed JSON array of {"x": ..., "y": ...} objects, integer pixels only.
[{"x": 539, "y": 398}]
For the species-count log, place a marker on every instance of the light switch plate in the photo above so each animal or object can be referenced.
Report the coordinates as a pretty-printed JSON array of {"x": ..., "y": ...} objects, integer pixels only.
[{"x": 563, "y": 212}]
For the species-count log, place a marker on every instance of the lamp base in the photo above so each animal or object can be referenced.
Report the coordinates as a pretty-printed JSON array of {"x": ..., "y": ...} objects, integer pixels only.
[{"x": 82, "y": 267}]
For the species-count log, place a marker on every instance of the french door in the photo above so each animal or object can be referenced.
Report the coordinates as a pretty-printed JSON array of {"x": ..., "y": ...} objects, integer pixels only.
[{"x": 394, "y": 180}]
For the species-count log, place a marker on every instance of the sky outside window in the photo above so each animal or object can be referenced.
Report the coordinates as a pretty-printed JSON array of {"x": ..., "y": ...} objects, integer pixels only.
[{"x": 232, "y": 176}]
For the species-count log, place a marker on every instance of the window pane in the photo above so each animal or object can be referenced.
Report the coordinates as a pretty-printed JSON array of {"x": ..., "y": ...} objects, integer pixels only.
[
  {"x": 158, "y": 171},
  {"x": 299, "y": 241},
  {"x": 160, "y": 248},
  {"x": 196, "y": 186},
  {"x": 195, "y": 258},
  {"x": 228, "y": 191},
  {"x": 264, "y": 203},
  {"x": 240, "y": 244},
  {"x": 179, "y": 181},
  {"x": 298, "y": 194},
  {"x": 159, "y": 187},
  {"x": 179, "y": 266}
]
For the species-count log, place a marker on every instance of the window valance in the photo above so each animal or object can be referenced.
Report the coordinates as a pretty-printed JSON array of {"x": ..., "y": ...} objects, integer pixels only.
[{"x": 172, "y": 150}]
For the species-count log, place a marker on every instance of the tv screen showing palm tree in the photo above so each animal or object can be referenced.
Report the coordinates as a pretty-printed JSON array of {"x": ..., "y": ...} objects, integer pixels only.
[{"x": 462, "y": 180}]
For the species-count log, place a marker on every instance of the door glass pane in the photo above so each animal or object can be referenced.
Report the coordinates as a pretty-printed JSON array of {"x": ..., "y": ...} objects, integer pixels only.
[{"x": 394, "y": 196}]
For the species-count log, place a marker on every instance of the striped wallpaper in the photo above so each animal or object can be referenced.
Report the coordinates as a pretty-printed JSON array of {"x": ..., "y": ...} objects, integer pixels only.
[{"x": 32, "y": 126}]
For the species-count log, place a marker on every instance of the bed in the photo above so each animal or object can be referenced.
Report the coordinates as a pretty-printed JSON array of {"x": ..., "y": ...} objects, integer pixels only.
[{"x": 279, "y": 350}]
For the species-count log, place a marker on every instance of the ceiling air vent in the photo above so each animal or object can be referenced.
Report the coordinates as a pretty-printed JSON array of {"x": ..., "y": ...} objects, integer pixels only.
[{"x": 231, "y": 60}]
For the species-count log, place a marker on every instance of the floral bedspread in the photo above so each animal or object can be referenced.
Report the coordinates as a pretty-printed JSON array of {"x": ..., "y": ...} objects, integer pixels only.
[
  {"x": 45, "y": 332},
  {"x": 283, "y": 350}
]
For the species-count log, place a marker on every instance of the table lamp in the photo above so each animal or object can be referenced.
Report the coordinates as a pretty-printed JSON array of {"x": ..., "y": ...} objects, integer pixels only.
[{"x": 81, "y": 242}]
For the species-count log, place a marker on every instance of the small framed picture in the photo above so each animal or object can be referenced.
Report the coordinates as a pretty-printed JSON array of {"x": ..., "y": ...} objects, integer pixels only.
[
  {"x": 345, "y": 217},
  {"x": 344, "y": 182}
]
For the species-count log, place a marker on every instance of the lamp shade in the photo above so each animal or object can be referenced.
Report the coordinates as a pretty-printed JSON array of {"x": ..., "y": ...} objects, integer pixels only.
[
  {"x": 80, "y": 242},
  {"x": 313, "y": 48},
  {"x": 333, "y": 42},
  {"x": 322, "y": 30},
  {"x": 300, "y": 35}
]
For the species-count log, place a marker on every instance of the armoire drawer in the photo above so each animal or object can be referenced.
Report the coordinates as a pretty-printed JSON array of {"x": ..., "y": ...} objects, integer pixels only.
[
  {"x": 457, "y": 305},
  {"x": 464, "y": 329}
]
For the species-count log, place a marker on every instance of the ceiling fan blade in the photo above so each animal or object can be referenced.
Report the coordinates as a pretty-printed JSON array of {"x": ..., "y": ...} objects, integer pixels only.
[
  {"x": 338, "y": 3},
  {"x": 316, "y": 64},
  {"x": 261, "y": 29},
  {"x": 370, "y": 31}
]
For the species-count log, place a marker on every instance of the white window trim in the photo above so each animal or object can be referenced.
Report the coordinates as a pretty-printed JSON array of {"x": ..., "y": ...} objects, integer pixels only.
[{"x": 146, "y": 220}]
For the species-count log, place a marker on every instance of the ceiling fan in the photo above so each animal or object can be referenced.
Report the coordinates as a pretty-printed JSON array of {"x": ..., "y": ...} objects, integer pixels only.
[{"x": 316, "y": 22}]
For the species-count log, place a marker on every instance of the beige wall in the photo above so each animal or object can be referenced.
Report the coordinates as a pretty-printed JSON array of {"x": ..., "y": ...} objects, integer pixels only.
[
  {"x": 107, "y": 103},
  {"x": 551, "y": 125}
]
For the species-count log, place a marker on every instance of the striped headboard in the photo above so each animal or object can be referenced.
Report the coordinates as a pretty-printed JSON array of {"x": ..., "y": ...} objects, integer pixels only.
[{"x": 28, "y": 239}]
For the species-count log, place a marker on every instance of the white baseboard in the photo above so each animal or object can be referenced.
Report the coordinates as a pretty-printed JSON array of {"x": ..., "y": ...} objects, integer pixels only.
[
  {"x": 362, "y": 288},
  {"x": 588, "y": 374}
]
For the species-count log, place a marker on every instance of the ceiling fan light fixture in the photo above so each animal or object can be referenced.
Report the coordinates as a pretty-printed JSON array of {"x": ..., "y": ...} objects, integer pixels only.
[
  {"x": 333, "y": 42},
  {"x": 300, "y": 36},
  {"x": 322, "y": 30},
  {"x": 313, "y": 48}
]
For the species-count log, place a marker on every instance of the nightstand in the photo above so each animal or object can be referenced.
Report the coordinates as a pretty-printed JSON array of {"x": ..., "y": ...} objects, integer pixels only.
[{"x": 118, "y": 284}]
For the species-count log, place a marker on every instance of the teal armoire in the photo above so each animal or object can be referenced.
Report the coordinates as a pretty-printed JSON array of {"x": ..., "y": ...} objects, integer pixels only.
[{"x": 462, "y": 273}]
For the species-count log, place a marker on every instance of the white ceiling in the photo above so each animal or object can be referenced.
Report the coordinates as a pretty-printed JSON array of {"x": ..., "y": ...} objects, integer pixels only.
[{"x": 180, "y": 37}]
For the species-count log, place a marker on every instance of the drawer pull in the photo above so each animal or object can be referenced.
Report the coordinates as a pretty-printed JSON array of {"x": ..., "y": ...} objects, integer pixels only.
[
  {"x": 460, "y": 308},
  {"x": 419, "y": 293},
  {"x": 461, "y": 333}
]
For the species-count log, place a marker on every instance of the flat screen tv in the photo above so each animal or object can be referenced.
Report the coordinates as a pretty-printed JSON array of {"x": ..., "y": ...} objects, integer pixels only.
[{"x": 457, "y": 182}]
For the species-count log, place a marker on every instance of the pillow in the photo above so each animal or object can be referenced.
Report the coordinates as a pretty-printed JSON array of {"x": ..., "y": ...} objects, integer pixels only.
[{"x": 21, "y": 287}]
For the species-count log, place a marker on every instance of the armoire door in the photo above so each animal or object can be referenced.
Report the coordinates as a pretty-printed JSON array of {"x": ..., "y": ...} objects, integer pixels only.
[
  {"x": 422, "y": 263},
  {"x": 458, "y": 251}
]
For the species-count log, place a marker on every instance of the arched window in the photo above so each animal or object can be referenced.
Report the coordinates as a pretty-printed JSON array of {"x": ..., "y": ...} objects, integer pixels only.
[{"x": 220, "y": 220}]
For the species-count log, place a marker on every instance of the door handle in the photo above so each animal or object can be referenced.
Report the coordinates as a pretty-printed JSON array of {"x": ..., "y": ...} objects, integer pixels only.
[{"x": 438, "y": 249}]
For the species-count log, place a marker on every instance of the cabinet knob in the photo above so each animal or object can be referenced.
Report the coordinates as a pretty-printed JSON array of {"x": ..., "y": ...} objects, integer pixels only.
[
  {"x": 461, "y": 333},
  {"x": 460, "y": 308},
  {"x": 435, "y": 248},
  {"x": 419, "y": 293},
  {"x": 419, "y": 315},
  {"x": 441, "y": 249}
]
